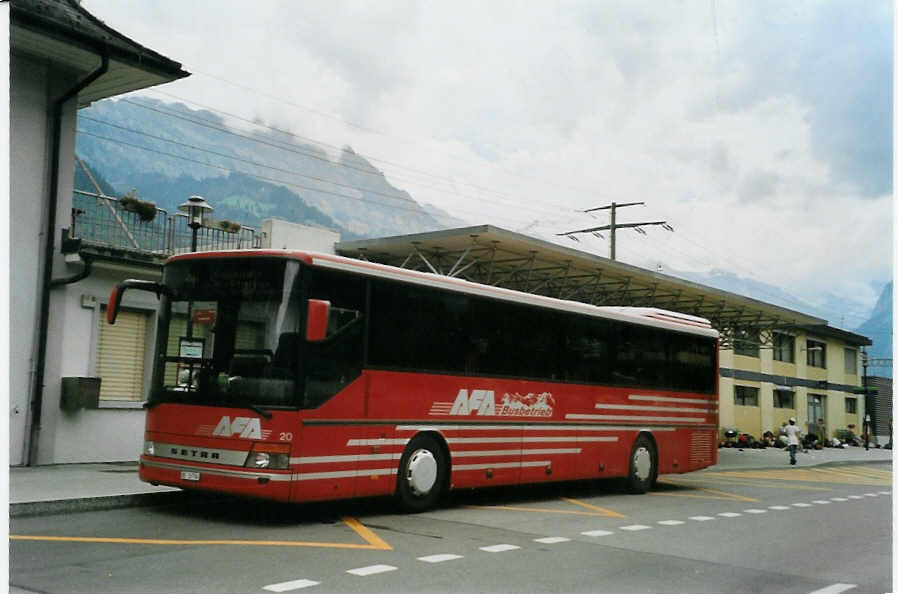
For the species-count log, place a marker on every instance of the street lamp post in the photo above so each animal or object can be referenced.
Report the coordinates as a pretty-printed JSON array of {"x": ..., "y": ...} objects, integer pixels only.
[{"x": 196, "y": 209}]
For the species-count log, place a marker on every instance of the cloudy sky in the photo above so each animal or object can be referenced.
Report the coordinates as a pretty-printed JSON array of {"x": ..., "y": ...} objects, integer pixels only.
[{"x": 760, "y": 130}]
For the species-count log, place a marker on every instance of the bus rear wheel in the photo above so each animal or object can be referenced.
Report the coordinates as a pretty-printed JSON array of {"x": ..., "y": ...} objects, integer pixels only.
[
  {"x": 422, "y": 474},
  {"x": 643, "y": 465}
]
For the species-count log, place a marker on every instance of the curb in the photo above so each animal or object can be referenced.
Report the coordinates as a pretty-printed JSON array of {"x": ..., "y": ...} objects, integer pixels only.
[
  {"x": 84, "y": 504},
  {"x": 786, "y": 465}
]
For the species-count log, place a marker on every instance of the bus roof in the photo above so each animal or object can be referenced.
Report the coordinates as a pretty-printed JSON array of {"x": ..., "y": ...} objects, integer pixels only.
[{"x": 648, "y": 316}]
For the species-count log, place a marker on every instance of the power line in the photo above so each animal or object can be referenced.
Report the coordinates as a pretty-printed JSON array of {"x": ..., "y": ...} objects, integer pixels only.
[
  {"x": 332, "y": 146},
  {"x": 295, "y": 149},
  {"x": 280, "y": 99},
  {"x": 614, "y": 226},
  {"x": 418, "y": 210}
]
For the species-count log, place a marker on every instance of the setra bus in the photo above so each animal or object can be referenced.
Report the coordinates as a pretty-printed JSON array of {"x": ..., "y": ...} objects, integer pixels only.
[{"x": 299, "y": 376}]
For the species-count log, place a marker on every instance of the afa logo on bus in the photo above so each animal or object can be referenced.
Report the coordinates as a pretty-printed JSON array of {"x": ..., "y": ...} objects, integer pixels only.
[
  {"x": 483, "y": 403},
  {"x": 245, "y": 427}
]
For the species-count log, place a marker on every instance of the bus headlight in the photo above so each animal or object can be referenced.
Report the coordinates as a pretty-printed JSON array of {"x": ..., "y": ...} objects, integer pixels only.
[
  {"x": 149, "y": 448},
  {"x": 270, "y": 456}
]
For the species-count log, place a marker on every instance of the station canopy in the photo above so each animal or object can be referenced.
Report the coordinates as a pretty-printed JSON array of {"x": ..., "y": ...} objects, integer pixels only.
[{"x": 494, "y": 256}]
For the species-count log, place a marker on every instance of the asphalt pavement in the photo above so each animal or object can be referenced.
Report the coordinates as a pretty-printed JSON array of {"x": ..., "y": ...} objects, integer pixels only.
[{"x": 85, "y": 487}]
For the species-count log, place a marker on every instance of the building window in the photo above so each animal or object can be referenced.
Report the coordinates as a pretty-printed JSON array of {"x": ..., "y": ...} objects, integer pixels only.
[
  {"x": 745, "y": 395},
  {"x": 783, "y": 347},
  {"x": 121, "y": 354},
  {"x": 851, "y": 361},
  {"x": 747, "y": 343},
  {"x": 783, "y": 399},
  {"x": 816, "y": 354},
  {"x": 851, "y": 406}
]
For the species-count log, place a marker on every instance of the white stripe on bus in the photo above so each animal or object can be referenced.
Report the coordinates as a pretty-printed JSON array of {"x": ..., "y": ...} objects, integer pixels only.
[
  {"x": 536, "y": 427},
  {"x": 644, "y": 407},
  {"x": 314, "y": 476},
  {"x": 670, "y": 399},
  {"x": 571, "y": 438},
  {"x": 543, "y": 452},
  {"x": 500, "y": 465},
  {"x": 635, "y": 418},
  {"x": 345, "y": 458},
  {"x": 376, "y": 442}
]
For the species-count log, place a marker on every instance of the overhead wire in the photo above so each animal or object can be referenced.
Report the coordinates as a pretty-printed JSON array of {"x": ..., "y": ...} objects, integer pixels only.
[
  {"x": 297, "y": 150},
  {"x": 280, "y": 99},
  {"x": 321, "y": 143},
  {"x": 256, "y": 176}
]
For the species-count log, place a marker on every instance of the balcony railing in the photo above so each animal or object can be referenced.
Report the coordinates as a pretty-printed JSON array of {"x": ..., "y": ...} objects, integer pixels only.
[{"x": 103, "y": 221}]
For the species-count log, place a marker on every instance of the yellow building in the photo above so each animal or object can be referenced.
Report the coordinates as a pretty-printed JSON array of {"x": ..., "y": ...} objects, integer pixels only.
[{"x": 813, "y": 374}]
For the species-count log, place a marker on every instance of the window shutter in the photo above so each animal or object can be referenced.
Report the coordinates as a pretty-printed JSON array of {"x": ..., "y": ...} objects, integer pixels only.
[{"x": 120, "y": 358}]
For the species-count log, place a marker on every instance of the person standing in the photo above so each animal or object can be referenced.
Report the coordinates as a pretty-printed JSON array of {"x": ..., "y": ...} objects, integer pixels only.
[{"x": 792, "y": 433}]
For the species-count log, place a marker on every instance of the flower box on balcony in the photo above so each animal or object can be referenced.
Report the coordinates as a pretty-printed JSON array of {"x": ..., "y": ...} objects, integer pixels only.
[
  {"x": 144, "y": 209},
  {"x": 230, "y": 226}
]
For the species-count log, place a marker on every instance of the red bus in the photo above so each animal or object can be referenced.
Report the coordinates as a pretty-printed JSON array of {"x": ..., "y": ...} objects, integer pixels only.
[{"x": 299, "y": 376}]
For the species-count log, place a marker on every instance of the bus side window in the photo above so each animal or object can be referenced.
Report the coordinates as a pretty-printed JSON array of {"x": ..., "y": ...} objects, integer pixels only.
[{"x": 331, "y": 365}]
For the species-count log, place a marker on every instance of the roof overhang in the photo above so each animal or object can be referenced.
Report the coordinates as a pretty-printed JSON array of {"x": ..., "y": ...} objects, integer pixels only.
[
  {"x": 64, "y": 34},
  {"x": 495, "y": 256}
]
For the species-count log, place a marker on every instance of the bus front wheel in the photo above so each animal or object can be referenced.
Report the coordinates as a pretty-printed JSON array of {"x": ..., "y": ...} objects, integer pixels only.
[
  {"x": 422, "y": 474},
  {"x": 643, "y": 465}
]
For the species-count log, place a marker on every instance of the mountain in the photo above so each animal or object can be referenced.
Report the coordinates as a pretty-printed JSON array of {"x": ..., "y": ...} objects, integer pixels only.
[
  {"x": 879, "y": 329},
  {"x": 838, "y": 311},
  {"x": 167, "y": 151}
]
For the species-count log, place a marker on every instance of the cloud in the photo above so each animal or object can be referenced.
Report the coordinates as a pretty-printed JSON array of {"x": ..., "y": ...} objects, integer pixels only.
[{"x": 758, "y": 129}]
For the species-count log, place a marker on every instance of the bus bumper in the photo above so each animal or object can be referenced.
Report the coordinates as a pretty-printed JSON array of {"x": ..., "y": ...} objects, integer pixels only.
[{"x": 237, "y": 481}]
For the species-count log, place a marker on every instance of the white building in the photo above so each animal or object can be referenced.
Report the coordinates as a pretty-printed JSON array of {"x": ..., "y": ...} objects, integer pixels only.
[{"x": 61, "y": 59}]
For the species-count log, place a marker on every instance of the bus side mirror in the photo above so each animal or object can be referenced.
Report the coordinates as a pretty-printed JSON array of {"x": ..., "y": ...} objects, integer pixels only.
[
  {"x": 317, "y": 315},
  {"x": 115, "y": 297}
]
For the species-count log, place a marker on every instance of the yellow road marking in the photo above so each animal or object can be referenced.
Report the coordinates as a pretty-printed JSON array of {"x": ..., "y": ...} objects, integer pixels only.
[
  {"x": 373, "y": 541},
  {"x": 811, "y": 475},
  {"x": 715, "y": 493},
  {"x": 602, "y": 511},
  {"x": 748, "y": 483},
  {"x": 537, "y": 510}
]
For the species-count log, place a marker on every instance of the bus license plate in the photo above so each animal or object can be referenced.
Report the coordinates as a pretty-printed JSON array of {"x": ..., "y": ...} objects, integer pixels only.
[{"x": 189, "y": 475}]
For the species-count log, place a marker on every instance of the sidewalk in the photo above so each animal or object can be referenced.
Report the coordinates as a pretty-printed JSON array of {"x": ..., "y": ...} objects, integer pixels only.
[{"x": 67, "y": 488}]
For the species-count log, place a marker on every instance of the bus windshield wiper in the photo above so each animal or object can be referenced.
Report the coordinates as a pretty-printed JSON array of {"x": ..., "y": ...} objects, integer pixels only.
[{"x": 257, "y": 409}]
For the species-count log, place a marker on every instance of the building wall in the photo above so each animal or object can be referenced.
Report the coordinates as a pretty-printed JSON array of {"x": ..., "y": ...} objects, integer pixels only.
[
  {"x": 764, "y": 373},
  {"x": 32, "y": 91},
  {"x": 114, "y": 432}
]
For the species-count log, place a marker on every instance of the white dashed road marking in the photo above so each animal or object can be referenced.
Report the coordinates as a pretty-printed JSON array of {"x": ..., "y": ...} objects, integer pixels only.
[
  {"x": 499, "y": 548},
  {"x": 290, "y": 586},
  {"x": 372, "y": 570},
  {"x": 440, "y": 558},
  {"x": 597, "y": 533},
  {"x": 834, "y": 589}
]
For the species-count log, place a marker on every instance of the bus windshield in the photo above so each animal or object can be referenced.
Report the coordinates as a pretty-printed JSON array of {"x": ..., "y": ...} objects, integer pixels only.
[{"x": 229, "y": 333}]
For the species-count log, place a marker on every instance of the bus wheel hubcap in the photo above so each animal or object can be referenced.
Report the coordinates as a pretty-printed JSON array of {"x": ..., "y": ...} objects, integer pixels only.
[
  {"x": 422, "y": 472},
  {"x": 642, "y": 463}
]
